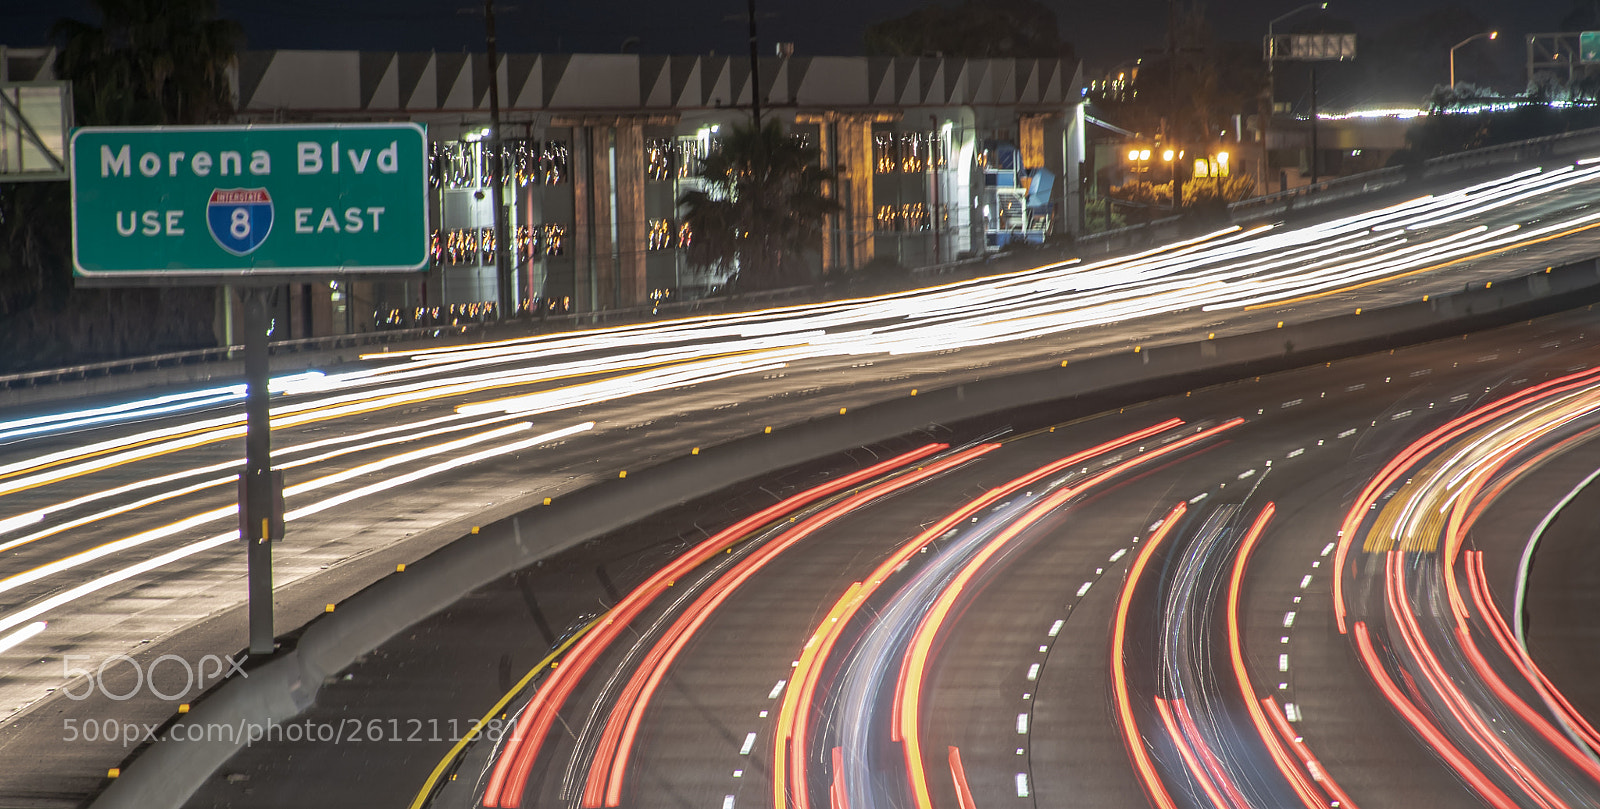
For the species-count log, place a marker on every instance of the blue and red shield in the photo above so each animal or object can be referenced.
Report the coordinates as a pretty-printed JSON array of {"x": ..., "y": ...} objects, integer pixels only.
[{"x": 239, "y": 218}]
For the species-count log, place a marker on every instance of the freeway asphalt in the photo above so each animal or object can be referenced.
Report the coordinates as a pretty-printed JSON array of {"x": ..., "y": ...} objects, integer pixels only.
[
  {"x": 190, "y": 607},
  {"x": 1325, "y": 430}
]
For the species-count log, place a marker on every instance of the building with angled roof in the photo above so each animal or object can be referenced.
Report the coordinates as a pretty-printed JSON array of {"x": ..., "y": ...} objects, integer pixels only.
[{"x": 934, "y": 158}]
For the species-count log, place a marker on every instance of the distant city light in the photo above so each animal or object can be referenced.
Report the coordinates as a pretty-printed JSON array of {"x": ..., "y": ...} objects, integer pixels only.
[{"x": 1406, "y": 113}]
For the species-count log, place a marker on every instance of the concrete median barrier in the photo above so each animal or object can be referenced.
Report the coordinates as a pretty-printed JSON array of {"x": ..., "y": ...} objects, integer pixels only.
[{"x": 167, "y": 772}]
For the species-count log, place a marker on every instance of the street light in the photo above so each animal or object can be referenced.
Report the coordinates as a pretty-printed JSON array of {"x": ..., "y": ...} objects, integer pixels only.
[
  {"x": 1272, "y": 97},
  {"x": 1486, "y": 34},
  {"x": 1138, "y": 157},
  {"x": 1171, "y": 158}
]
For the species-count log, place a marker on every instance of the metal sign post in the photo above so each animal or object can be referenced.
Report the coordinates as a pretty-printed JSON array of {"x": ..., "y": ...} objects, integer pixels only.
[
  {"x": 255, "y": 207},
  {"x": 257, "y": 521}
]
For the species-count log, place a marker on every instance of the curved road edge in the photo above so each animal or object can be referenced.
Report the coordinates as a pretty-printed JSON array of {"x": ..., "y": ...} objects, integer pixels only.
[{"x": 166, "y": 773}]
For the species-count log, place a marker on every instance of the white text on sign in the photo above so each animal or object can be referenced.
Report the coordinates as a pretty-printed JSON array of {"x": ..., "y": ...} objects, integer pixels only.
[
  {"x": 353, "y": 223},
  {"x": 309, "y": 158}
]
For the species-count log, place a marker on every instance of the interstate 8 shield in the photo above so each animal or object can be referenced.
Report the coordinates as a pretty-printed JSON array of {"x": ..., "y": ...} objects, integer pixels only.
[{"x": 240, "y": 219}]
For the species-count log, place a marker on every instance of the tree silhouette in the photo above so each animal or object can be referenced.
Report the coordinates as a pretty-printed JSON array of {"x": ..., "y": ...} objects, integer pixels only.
[
  {"x": 1021, "y": 29},
  {"x": 150, "y": 62},
  {"x": 763, "y": 207}
]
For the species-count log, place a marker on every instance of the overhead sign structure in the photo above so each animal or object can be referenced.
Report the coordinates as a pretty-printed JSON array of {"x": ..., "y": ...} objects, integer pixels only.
[
  {"x": 35, "y": 118},
  {"x": 230, "y": 203},
  {"x": 1311, "y": 47}
]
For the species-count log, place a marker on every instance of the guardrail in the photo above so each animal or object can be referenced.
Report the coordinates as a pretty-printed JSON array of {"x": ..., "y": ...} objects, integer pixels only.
[
  {"x": 522, "y": 325},
  {"x": 1328, "y": 191},
  {"x": 389, "y": 336},
  {"x": 1340, "y": 188}
]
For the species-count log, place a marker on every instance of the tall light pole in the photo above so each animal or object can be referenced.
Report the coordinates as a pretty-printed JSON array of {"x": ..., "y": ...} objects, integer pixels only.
[
  {"x": 755, "y": 70},
  {"x": 1485, "y": 35},
  {"x": 1272, "y": 101},
  {"x": 505, "y": 299}
]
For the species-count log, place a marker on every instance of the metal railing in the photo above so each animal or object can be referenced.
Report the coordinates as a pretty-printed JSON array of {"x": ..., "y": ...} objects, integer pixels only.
[
  {"x": 1339, "y": 188},
  {"x": 1320, "y": 193}
]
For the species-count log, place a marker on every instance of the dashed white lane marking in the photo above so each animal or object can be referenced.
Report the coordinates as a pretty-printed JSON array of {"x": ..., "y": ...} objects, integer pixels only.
[
  {"x": 1288, "y": 620},
  {"x": 1354, "y": 388},
  {"x": 1033, "y": 672},
  {"x": 1197, "y": 498},
  {"x": 749, "y": 744},
  {"x": 777, "y": 689},
  {"x": 1055, "y": 628},
  {"x": 1119, "y": 554},
  {"x": 1292, "y": 403},
  {"x": 1283, "y": 662},
  {"x": 1085, "y": 588},
  {"x": 1398, "y": 416},
  {"x": 1043, "y": 649},
  {"x": 1022, "y": 723},
  {"x": 1022, "y": 785},
  {"x": 1246, "y": 474},
  {"x": 1423, "y": 372},
  {"x": 1297, "y": 453},
  {"x": 1291, "y": 712},
  {"x": 1347, "y": 433},
  {"x": 727, "y": 802},
  {"x": 1327, "y": 549},
  {"x": 1305, "y": 582},
  {"x": 1460, "y": 397},
  {"x": 738, "y": 773}
]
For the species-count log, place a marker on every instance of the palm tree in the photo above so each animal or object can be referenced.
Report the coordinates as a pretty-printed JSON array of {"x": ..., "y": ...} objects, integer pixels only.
[
  {"x": 763, "y": 207},
  {"x": 150, "y": 62}
]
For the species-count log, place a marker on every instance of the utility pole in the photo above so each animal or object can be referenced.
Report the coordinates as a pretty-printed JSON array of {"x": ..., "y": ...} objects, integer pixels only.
[
  {"x": 934, "y": 153},
  {"x": 502, "y": 266},
  {"x": 1315, "y": 177},
  {"x": 1270, "y": 52},
  {"x": 755, "y": 69}
]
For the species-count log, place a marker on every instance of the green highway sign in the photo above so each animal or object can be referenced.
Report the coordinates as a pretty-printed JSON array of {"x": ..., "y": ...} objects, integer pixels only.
[
  {"x": 1589, "y": 47},
  {"x": 236, "y": 202}
]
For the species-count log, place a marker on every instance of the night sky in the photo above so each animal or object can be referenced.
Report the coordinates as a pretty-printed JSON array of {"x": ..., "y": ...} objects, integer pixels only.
[{"x": 1104, "y": 31}]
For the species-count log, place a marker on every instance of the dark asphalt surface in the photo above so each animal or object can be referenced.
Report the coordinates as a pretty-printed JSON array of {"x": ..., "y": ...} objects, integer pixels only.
[
  {"x": 192, "y": 607},
  {"x": 457, "y": 663}
]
